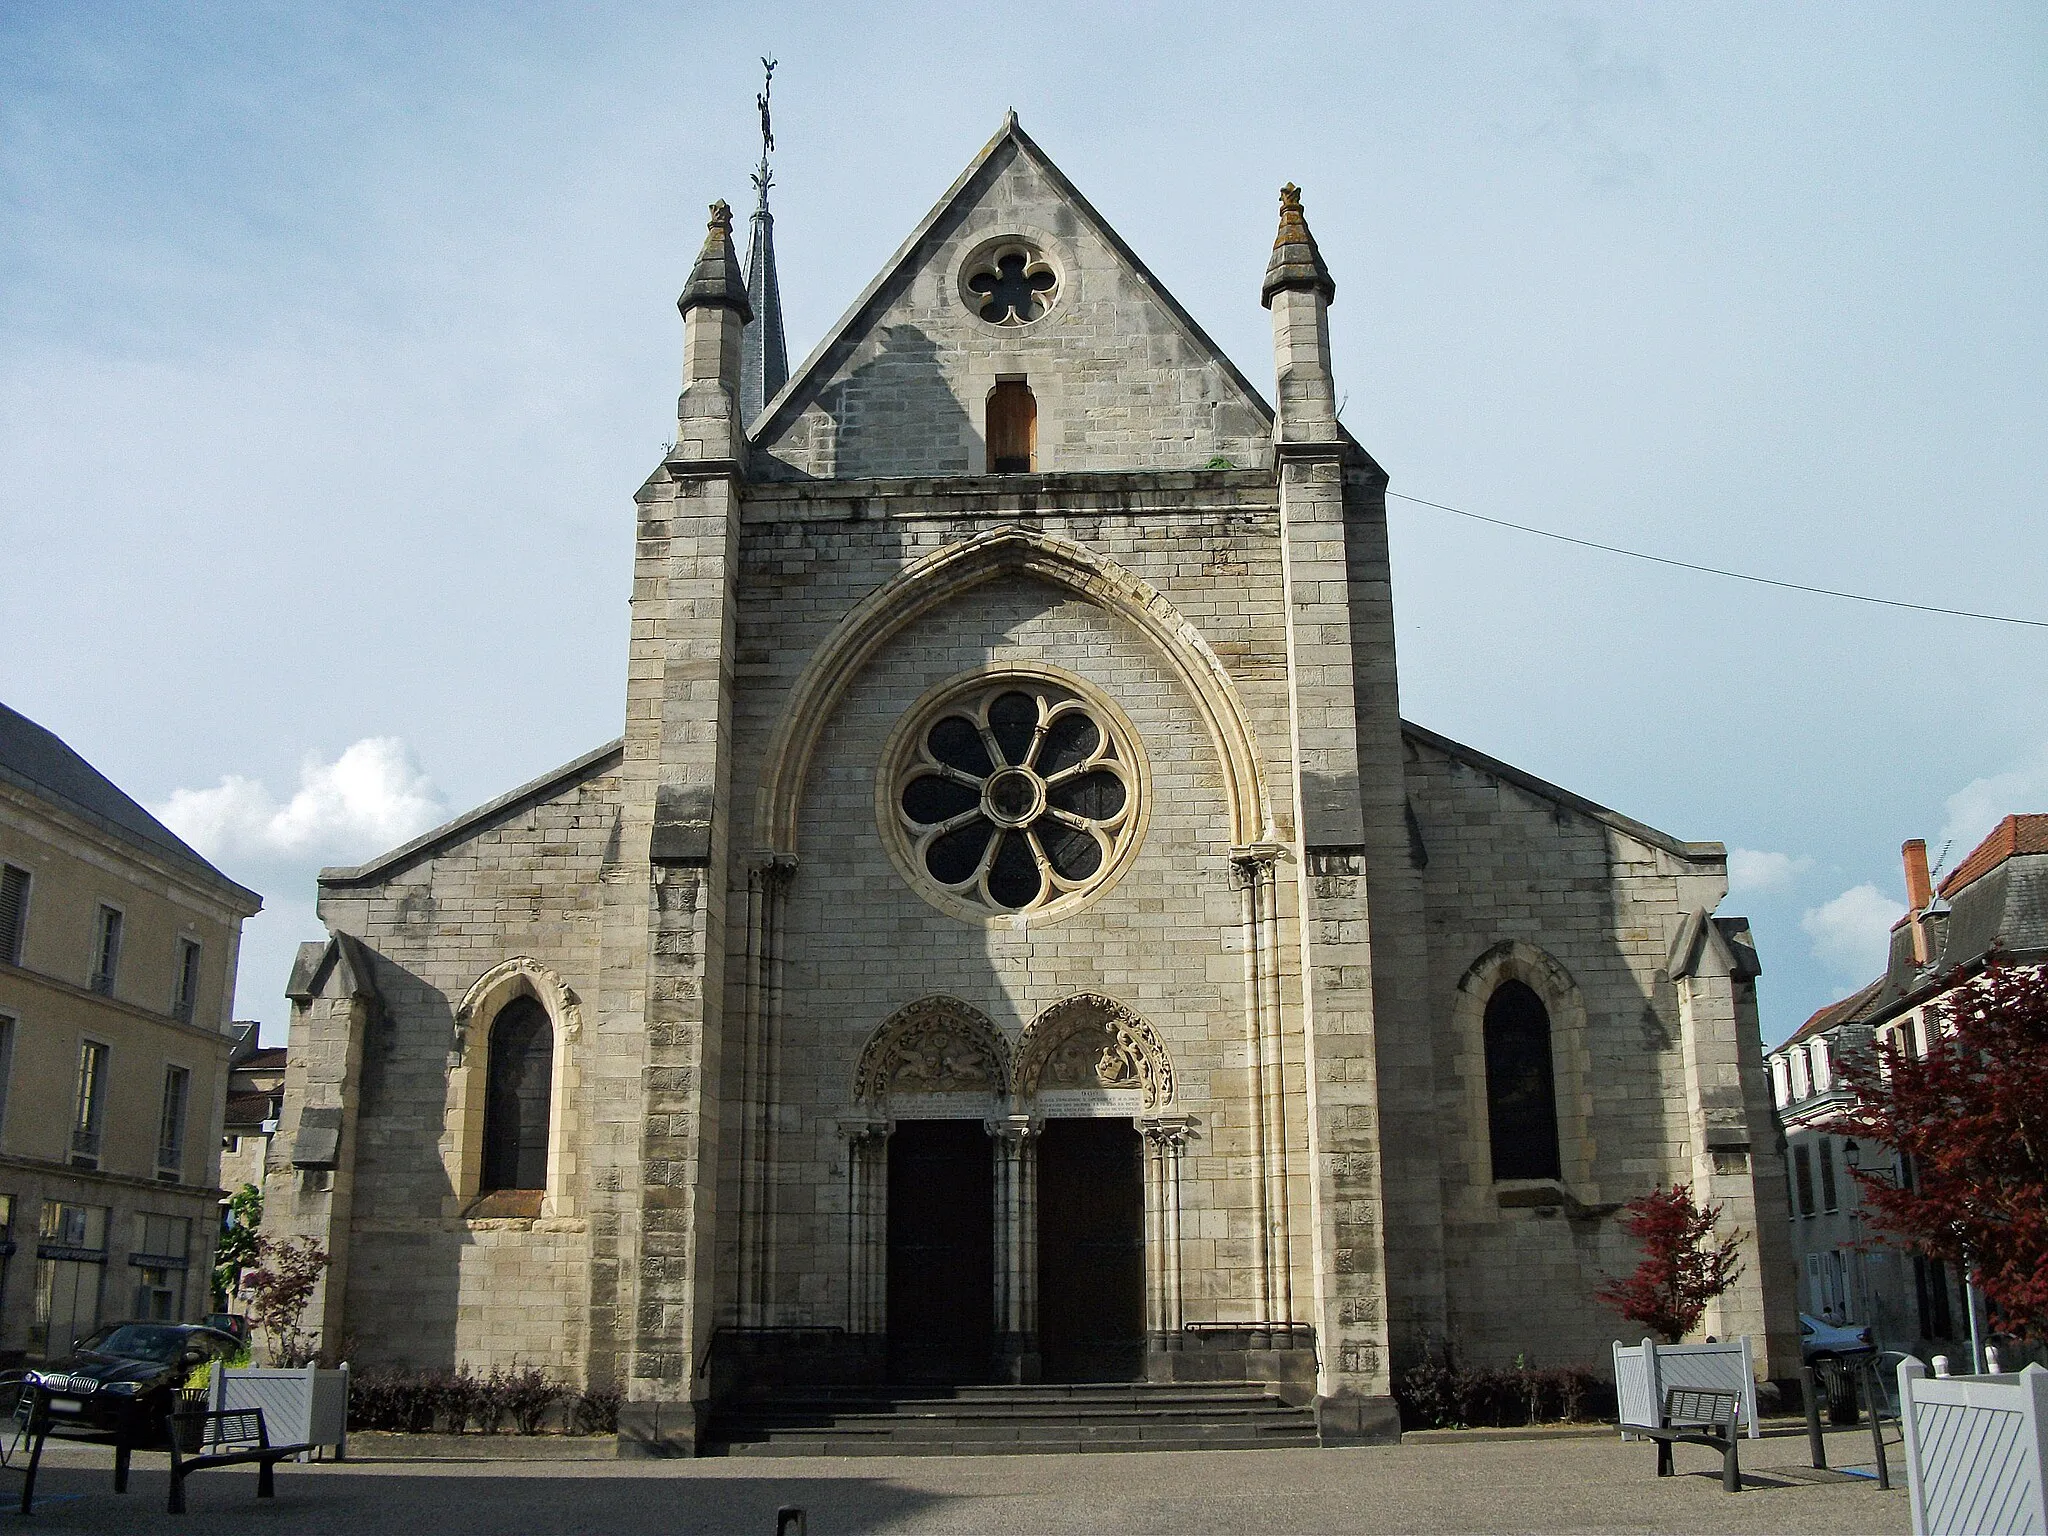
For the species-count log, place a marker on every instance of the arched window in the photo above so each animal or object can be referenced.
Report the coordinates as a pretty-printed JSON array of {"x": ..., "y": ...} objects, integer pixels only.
[
  {"x": 516, "y": 1102},
  {"x": 1012, "y": 429},
  {"x": 1521, "y": 1093}
]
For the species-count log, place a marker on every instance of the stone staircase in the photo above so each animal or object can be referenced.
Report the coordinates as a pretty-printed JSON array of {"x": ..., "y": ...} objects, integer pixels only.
[{"x": 997, "y": 1420}]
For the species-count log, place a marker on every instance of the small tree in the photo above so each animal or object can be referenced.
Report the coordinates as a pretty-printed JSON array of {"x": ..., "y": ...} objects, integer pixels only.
[
  {"x": 283, "y": 1284},
  {"x": 1971, "y": 1116},
  {"x": 1679, "y": 1273},
  {"x": 236, "y": 1250}
]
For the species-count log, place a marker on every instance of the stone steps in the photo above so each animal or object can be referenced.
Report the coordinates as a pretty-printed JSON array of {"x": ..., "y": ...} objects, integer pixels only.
[{"x": 1030, "y": 1420}]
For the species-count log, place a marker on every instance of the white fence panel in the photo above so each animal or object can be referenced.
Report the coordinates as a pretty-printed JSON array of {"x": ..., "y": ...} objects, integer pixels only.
[
  {"x": 1976, "y": 1452},
  {"x": 1644, "y": 1372},
  {"x": 307, "y": 1406}
]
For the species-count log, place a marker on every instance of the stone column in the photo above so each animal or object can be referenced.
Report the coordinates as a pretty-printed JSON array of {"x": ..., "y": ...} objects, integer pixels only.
[
  {"x": 1015, "y": 1142},
  {"x": 1166, "y": 1138},
  {"x": 867, "y": 1227},
  {"x": 768, "y": 877}
]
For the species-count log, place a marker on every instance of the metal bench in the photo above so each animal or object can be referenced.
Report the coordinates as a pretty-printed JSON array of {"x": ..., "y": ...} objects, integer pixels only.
[
  {"x": 238, "y": 1437},
  {"x": 1693, "y": 1416}
]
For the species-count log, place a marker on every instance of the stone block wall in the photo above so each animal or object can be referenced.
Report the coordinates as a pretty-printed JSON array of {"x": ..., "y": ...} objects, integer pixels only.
[
  {"x": 1121, "y": 379},
  {"x": 429, "y": 1285},
  {"x": 1527, "y": 884},
  {"x": 1167, "y": 939}
]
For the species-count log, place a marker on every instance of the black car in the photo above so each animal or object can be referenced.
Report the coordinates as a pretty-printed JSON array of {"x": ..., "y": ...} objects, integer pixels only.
[{"x": 122, "y": 1378}]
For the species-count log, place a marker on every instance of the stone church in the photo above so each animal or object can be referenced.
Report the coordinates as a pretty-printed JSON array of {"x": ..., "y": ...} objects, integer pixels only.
[{"x": 1016, "y": 937}]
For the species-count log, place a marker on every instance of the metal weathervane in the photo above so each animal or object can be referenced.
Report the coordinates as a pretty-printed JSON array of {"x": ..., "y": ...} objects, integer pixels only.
[{"x": 763, "y": 177}]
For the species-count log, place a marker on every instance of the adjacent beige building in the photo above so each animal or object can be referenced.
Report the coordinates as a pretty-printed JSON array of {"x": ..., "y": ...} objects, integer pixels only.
[
  {"x": 1016, "y": 935},
  {"x": 118, "y": 947}
]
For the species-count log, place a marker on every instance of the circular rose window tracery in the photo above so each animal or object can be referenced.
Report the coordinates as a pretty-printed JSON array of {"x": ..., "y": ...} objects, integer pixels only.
[{"x": 1014, "y": 794}]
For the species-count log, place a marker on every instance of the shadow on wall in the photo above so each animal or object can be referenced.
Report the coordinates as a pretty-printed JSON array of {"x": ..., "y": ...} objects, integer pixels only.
[{"x": 896, "y": 415}]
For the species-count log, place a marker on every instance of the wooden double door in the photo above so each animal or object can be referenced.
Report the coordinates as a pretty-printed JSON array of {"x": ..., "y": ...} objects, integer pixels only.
[{"x": 1090, "y": 1252}]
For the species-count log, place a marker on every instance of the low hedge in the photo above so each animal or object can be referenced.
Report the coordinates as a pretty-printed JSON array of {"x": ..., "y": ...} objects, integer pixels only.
[
  {"x": 408, "y": 1401},
  {"x": 1439, "y": 1394}
]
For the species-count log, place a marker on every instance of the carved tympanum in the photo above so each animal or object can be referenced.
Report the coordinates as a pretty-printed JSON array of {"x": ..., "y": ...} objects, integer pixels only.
[
  {"x": 1090, "y": 1041},
  {"x": 935, "y": 1045}
]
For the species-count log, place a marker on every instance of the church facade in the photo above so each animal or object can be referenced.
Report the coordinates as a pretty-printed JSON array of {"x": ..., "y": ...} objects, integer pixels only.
[{"x": 1016, "y": 936}]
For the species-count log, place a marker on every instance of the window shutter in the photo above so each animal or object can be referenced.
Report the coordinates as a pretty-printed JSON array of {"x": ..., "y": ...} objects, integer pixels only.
[{"x": 13, "y": 912}]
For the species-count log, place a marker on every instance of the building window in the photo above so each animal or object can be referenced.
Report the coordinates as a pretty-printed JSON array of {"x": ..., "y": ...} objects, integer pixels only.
[
  {"x": 1799, "y": 1078},
  {"x": 1521, "y": 1090},
  {"x": 1802, "y": 1163},
  {"x": 160, "y": 1258},
  {"x": 1828, "y": 1199},
  {"x": 1009, "y": 282},
  {"x": 1017, "y": 794},
  {"x": 1823, "y": 1067},
  {"x": 89, "y": 1122},
  {"x": 1781, "y": 1082},
  {"x": 13, "y": 913},
  {"x": 6, "y": 1242},
  {"x": 106, "y": 954},
  {"x": 170, "y": 1130},
  {"x": 517, "y": 1100},
  {"x": 71, "y": 1261},
  {"x": 1012, "y": 429},
  {"x": 185, "y": 1002}
]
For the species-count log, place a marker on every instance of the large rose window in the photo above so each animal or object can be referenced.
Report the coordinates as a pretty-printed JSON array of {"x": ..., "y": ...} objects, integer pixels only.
[{"x": 1015, "y": 795}]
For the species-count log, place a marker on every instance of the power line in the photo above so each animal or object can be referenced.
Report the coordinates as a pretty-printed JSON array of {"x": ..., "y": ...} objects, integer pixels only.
[{"x": 1711, "y": 570}]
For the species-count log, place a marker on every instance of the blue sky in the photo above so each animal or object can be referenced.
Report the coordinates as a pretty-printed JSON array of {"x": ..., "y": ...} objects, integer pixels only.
[{"x": 334, "y": 341}]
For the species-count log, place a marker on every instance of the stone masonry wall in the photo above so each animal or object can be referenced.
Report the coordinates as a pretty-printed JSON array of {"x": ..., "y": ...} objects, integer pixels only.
[
  {"x": 428, "y": 1285},
  {"x": 1506, "y": 865},
  {"x": 1166, "y": 939},
  {"x": 1119, "y": 381}
]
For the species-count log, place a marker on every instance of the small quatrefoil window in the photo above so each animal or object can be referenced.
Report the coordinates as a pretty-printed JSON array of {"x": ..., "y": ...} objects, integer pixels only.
[{"x": 1011, "y": 283}]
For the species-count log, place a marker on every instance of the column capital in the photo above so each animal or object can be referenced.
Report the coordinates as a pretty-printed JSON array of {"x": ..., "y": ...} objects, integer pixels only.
[
  {"x": 1169, "y": 1134},
  {"x": 1015, "y": 1129},
  {"x": 1256, "y": 861},
  {"x": 863, "y": 1131}
]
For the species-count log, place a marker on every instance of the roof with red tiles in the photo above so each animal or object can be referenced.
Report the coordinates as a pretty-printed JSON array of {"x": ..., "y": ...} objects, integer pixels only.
[{"x": 2014, "y": 835}]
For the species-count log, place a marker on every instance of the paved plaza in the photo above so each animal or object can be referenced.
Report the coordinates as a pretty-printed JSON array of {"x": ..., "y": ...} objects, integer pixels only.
[{"x": 1429, "y": 1484}]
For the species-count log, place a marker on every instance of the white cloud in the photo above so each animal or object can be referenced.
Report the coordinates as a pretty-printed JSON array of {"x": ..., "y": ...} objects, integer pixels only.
[
  {"x": 1981, "y": 804},
  {"x": 1750, "y": 870},
  {"x": 370, "y": 798},
  {"x": 1852, "y": 934}
]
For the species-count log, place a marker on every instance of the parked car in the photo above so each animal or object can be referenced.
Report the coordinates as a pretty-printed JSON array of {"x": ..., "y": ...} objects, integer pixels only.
[
  {"x": 1820, "y": 1341},
  {"x": 123, "y": 1377},
  {"x": 229, "y": 1322}
]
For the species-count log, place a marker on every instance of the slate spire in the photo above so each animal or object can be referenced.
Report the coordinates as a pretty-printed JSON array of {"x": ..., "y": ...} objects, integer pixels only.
[
  {"x": 764, "y": 354},
  {"x": 1296, "y": 262}
]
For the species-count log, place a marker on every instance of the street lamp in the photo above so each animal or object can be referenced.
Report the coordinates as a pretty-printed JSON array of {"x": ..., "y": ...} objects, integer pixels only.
[{"x": 1852, "y": 1154}]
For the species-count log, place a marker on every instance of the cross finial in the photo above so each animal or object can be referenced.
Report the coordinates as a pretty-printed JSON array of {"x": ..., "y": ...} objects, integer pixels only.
[
  {"x": 721, "y": 218},
  {"x": 1290, "y": 198}
]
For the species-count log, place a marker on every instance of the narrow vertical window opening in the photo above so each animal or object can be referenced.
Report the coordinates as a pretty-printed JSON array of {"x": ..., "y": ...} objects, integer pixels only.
[
  {"x": 1828, "y": 1198},
  {"x": 1521, "y": 1089},
  {"x": 186, "y": 1003},
  {"x": 106, "y": 952},
  {"x": 517, "y": 1098},
  {"x": 1012, "y": 428},
  {"x": 90, "y": 1119},
  {"x": 170, "y": 1133}
]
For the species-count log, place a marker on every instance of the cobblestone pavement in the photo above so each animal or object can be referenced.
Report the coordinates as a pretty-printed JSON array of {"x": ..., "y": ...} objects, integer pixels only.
[{"x": 1549, "y": 1484}]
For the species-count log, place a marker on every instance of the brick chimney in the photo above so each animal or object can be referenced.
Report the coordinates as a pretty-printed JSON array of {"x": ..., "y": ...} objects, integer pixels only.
[{"x": 1919, "y": 894}]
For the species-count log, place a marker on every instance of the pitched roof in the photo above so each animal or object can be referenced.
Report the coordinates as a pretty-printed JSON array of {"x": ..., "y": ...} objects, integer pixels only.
[
  {"x": 1842, "y": 1012},
  {"x": 2014, "y": 835},
  {"x": 1642, "y": 832},
  {"x": 38, "y": 760}
]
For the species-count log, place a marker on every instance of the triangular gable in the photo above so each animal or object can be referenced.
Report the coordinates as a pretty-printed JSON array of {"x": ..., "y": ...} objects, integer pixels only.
[{"x": 1122, "y": 375}]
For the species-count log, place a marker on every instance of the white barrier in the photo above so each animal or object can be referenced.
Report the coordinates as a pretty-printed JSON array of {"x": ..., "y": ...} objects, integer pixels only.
[
  {"x": 1644, "y": 1372},
  {"x": 1976, "y": 1451},
  {"x": 306, "y": 1406}
]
